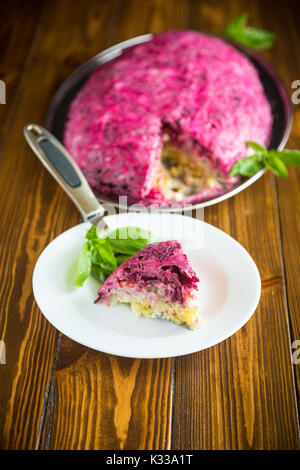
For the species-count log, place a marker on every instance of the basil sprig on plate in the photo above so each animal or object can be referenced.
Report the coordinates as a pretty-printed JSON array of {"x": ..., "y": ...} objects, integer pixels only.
[
  {"x": 238, "y": 31},
  {"x": 104, "y": 251},
  {"x": 276, "y": 160}
]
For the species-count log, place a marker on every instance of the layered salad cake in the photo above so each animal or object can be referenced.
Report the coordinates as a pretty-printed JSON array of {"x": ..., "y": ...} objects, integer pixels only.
[
  {"x": 158, "y": 281},
  {"x": 167, "y": 119}
]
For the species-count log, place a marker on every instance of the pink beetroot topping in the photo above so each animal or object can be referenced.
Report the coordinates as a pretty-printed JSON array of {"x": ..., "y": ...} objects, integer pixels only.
[
  {"x": 162, "y": 265},
  {"x": 198, "y": 89}
]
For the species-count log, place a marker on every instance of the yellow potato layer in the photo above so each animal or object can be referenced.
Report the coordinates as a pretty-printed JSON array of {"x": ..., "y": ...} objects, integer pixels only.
[{"x": 186, "y": 316}]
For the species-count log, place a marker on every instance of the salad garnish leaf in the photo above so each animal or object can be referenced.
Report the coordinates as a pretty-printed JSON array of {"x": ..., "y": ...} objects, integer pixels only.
[
  {"x": 121, "y": 259},
  {"x": 275, "y": 164},
  {"x": 92, "y": 233},
  {"x": 128, "y": 240},
  {"x": 103, "y": 255},
  {"x": 238, "y": 31},
  {"x": 259, "y": 149},
  {"x": 105, "y": 250},
  {"x": 98, "y": 273},
  {"x": 84, "y": 265},
  {"x": 246, "y": 167},
  {"x": 288, "y": 157},
  {"x": 276, "y": 160}
]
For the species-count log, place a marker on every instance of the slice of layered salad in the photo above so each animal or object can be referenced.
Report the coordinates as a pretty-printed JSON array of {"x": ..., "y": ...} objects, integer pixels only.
[{"x": 158, "y": 281}]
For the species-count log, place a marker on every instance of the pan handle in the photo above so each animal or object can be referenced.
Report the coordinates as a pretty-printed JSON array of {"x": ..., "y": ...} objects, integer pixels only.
[{"x": 62, "y": 167}]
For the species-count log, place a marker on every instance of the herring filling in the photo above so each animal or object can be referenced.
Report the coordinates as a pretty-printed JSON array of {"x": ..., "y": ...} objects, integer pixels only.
[{"x": 182, "y": 173}]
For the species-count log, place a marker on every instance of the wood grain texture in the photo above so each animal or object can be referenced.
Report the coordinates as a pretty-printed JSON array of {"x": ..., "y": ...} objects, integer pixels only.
[
  {"x": 19, "y": 25},
  {"x": 244, "y": 391},
  {"x": 243, "y": 395},
  {"x": 33, "y": 211},
  {"x": 289, "y": 190},
  {"x": 126, "y": 403},
  {"x": 57, "y": 394},
  {"x": 99, "y": 401}
]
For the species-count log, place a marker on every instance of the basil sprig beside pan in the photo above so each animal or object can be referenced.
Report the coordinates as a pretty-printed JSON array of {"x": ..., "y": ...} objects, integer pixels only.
[
  {"x": 275, "y": 160},
  {"x": 238, "y": 31}
]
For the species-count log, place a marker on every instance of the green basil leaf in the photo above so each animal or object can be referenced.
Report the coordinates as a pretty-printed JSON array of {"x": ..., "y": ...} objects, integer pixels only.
[
  {"x": 92, "y": 233},
  {"x": 98, "y": 273},
  {"x": 246, "y": 167},
  {"x": 288, "y": 157},
  {"x": 129, "y": 240},
  {"x": 122, "y": 258},
  {"x": 106, "y": 250},
  {"x": 103, "y": 255},
  {"x": 84, "y": 265},
  {"x": 276, "y": 165},
  {"x": 237, "y": 23},
  {"x": 259, "y": 149},
  {"x": 255, "y": 38}
]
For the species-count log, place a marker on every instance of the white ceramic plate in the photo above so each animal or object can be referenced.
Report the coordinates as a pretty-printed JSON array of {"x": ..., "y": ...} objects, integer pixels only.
[{"x": 229, "y": 291}]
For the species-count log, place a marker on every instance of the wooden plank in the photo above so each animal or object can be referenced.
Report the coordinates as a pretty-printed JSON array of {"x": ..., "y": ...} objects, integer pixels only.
[
  {"x": 289, "y": 196},
  {"x": 33, "y": 211},
  {"x": 101, "y": 401},
  {"x": 242, "y": 396},
  {"x": 238, "y": 394},
  {"x": 139, "y": 17},
  {"x": 123, "y": 403}
]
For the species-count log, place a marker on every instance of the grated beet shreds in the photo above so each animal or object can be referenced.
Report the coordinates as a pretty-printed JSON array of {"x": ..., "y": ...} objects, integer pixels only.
[
  {"x": 161, "y": 264},
  {"x": 200, "y": 90}
]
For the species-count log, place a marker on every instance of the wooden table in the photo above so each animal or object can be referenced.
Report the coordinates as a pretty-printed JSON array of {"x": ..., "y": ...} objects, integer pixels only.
[{"x": 56, "y": 394}]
